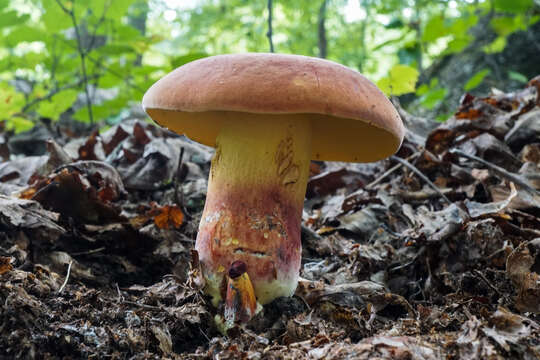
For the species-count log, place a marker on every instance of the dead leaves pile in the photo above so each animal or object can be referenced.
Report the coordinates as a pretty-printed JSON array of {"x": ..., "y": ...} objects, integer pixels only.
[{"x": 431, "y": 254}]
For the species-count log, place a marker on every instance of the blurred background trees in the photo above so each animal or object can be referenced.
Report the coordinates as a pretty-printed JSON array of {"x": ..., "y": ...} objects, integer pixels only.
[{"x": 93, "y": 60}]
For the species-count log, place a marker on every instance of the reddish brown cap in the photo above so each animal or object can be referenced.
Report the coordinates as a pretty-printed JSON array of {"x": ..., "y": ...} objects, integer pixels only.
[{"x": 352, "y": 120}]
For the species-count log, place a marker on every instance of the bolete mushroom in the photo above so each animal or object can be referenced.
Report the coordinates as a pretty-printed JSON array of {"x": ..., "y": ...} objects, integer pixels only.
[{"x": 267, "y": 115}]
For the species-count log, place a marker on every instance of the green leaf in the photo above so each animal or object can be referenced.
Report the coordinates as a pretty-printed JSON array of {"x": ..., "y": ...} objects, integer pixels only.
[
  {"x": 184, "y": 59},
  {"x": 506, "y": 25},
  {"x": 19, "y": 124},
  {"x": 24, "y": 33},
  {"x": 422, "y": 89},
  {"x": 401, "y": 80},
  {"x": 434, "y": 29},
  {"x": 126, "y": 33},
  {"x": 118, "y": 8},
  {"x": 476, "y": 79},
  {"x": 26, "y": 61},
  {"x": 443, "y": 117},
  {"x": 512, "y": 6},
  {"x": 514, "y": 75},
  {"x": 458, "y": 44},
  {"x": 433, "y": 97},
  {"x": 57, "y": 104},
  {"x": 103, "y": 111},
  {"x": 11, "y": 101},
  {"x": 4, "y": 4},
  {"x": 10, "y": 18},
  {"x": 109, "y": 80},
  {"x": 495, "y": 46},
  {"x": 54, "y": 18}
]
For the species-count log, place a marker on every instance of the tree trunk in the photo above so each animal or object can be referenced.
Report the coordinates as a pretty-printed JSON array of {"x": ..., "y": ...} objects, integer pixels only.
[{"x": 322, "y": 30}]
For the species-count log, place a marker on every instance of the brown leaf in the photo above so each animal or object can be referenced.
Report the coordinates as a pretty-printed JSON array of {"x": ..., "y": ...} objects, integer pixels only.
[
  {"x": 519, "y": 268},
  {"x": 110, "y": 141},
  {"x": 83, "y": 190},
  {"x": 5, "y": 264},
  {"x": 140, "y": 135},
  {"x": 170, "y": 215},
  {"x": 87, "y": 151}
]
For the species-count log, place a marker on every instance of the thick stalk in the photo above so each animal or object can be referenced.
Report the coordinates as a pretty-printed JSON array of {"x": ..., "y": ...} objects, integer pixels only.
[{"x": 254, "y": 203}]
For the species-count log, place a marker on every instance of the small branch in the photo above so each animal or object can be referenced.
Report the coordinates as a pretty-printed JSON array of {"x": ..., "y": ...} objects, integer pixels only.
[
  {"x": 422, "y": 176},
  {"x": 144, "y": 306},
  {"x": 420, "y": 195},
  {"x": 96, "y": 27},
  {"x": 269, "y": 32},
  {"x": 52, "y": 93},
  {"x": 109, "y": 70},
  {"x": 67, "y": 278},
  {"x": 497, "y": 170},
  {"x": 488, "y": 283},
  {"x": 89, "y": 252},
  {"x": 82, "y": 55},
  {"x": 389, "y": 171}
]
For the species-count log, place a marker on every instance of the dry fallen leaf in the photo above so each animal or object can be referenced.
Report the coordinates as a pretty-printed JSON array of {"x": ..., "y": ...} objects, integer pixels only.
[
  {"x": 170, "y": 215},
  {"x": 5, "y": 264},
  {"x": 519, "y": 269}
]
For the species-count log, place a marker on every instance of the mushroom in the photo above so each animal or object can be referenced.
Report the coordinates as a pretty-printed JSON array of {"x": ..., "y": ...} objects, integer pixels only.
[{"x": 268, "y": 116}]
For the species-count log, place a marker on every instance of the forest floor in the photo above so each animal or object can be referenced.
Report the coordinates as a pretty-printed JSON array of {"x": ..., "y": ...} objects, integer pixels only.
[{"x": 431, "y": 254}]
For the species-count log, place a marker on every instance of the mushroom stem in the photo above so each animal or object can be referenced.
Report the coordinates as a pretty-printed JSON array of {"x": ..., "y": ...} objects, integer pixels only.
[{"x": 254, "y": 203}]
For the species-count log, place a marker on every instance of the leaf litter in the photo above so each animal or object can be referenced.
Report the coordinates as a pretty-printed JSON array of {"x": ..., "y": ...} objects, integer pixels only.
[{"x": 431, "y": 254}]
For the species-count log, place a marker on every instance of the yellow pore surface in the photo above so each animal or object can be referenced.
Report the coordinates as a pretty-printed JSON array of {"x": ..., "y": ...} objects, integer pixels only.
[{"x": 333, "y": 138}]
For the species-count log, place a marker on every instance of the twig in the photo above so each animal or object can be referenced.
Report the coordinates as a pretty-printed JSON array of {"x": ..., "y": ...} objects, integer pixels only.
[
  {"x": 420, "y": 195},
  {"x": 82, "y": 55},
  {"x": 109, "y": 70},
  {"x": 53, "y": 92},
  {"x": 96, "y": 27},
  {"x": 389, "y": 171},
  {"x": 144, "y": 306},
  {"x": 269, "y": 32},
  {"x": 497, "y": 170},
  {"x": 67, "y": 278},
  {"x": 120, "y": 297},
  {"x": 93, "y": 251},
  {"x": 488, "y": 283},
  {"x": 206, "y": 336},
  {"x": 422, "y": 176}
]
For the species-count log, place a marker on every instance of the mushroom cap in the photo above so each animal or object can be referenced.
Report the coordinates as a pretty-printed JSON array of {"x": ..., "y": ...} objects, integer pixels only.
[{"x": 352, "y": 120}]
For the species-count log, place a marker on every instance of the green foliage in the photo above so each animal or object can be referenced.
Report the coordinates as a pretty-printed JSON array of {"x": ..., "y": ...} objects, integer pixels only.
[
  {"x": 512, "y": 6},
  {"x": 495, "y": 46},
  {"x": 431, "y": 95},
  {"x": 10, "y": 100},
  {"x": 52, "y": 109},
  {"x": 184, "y": 59},
  {"x": 401, "y": 80},
  {"x": 519, "y": 77},
  {"x": 18, "y": 124},
  {"x": 124, "y": 46},
  {"x": 476, "y": 79}
]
